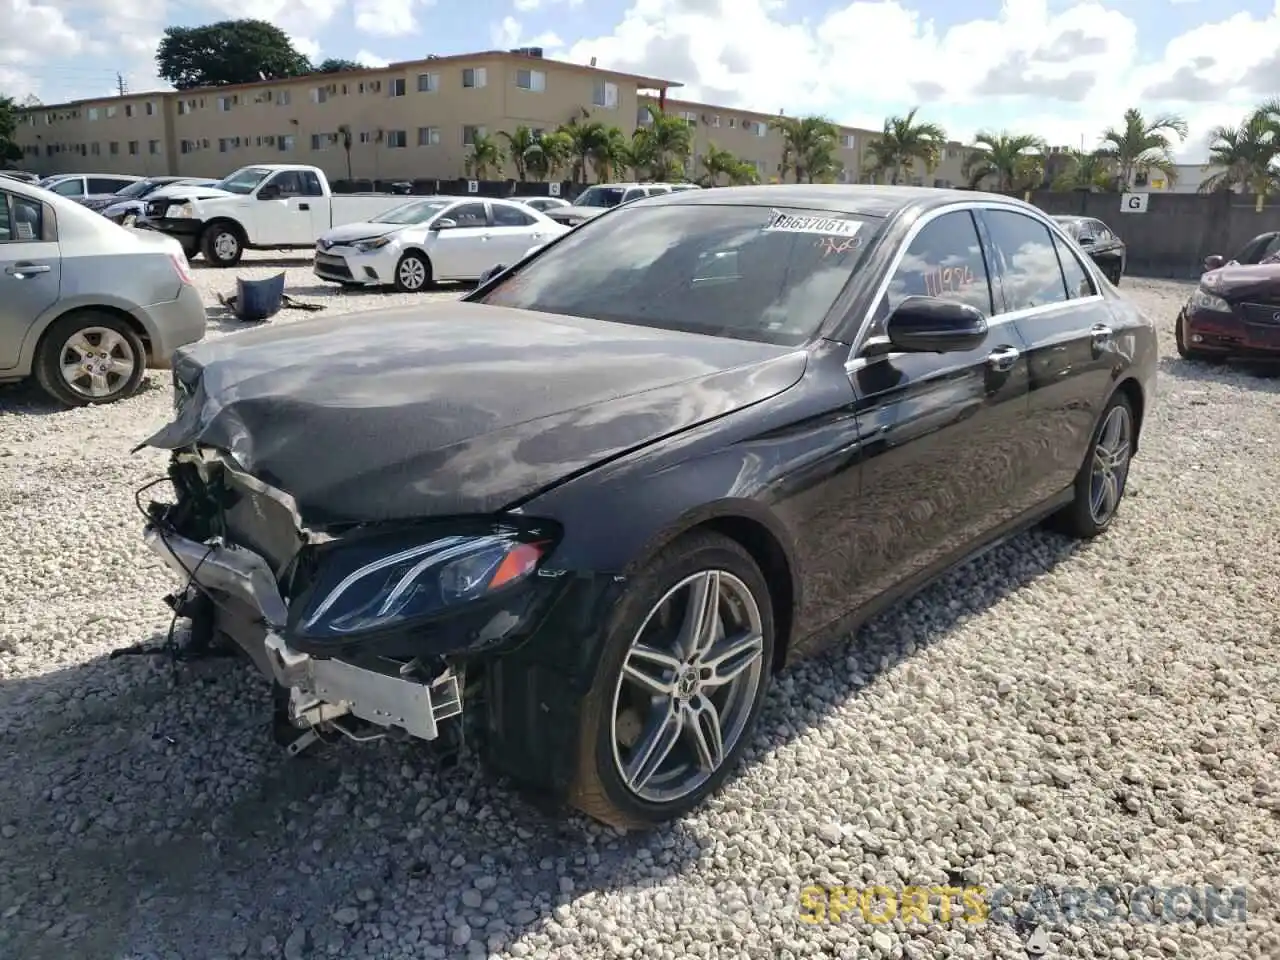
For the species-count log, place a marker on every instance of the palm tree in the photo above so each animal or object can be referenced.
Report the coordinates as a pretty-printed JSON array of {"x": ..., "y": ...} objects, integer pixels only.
[
  {"x": 1245, "y": 154},
  {"x": 611, "y": 154},
  {"x": 485, "y": 157},
  {"x": 345, "y": 132},
  {"x": 519, "y": 145},
  {"x": 808, "y": 148},
  {"x": 637, "y": 154},
  {"x": 1141, "y": 145},
  {"x": 547, "y": 157},
  {"x": 716, "y": 163},
  {"x": 1086, "y": 170},
  {"x": 1008, "y": 158},
  {"x": 903, "y": 142},
  {"x": 666, "y": 141},
  {"x": 586, "y": 138}
]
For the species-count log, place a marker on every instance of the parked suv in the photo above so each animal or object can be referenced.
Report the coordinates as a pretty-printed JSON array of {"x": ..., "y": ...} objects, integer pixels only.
[
  {"x": 604, "y": 196},
  {"x": 84, "y": 184}
]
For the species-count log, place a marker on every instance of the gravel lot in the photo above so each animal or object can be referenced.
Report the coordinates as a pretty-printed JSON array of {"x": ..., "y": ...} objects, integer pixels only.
[{"x": 1051, "y": 716}]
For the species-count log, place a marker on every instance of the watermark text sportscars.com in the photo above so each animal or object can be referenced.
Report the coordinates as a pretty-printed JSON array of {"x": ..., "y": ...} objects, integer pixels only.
[{"x": 1014, "y": 905}]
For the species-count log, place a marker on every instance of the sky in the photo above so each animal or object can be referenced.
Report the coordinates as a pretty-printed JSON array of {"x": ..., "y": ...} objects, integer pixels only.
[{"x": 1060, "y": 69}]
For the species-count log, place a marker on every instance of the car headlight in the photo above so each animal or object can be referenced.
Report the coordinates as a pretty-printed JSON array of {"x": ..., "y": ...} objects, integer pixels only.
[
  {"x": 574, "y": 221},
  {"x": 364, "y": 246},
  {"x": 181, "y": 211},
  {"x": 371, "y": 586},
  {"x": 1202, "y": 299}
]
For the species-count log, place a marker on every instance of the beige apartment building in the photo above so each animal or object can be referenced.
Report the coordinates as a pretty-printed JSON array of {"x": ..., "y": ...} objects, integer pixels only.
[{"x": 408, "y": 120}]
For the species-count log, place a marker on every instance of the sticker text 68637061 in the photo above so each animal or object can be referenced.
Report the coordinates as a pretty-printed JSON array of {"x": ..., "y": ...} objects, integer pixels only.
[{"x": 780, "y": 222}]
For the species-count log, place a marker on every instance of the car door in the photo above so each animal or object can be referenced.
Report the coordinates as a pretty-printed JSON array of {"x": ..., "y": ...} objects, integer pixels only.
[
  {"x": 1047, "y": 292},
  {"x": 514, "y": 232},
  {"x": 463, "y": 251},
  {"x": 30, "y": 270},
  {"x": 940, "y": 433},
  {"x": 284, "y": 216}
]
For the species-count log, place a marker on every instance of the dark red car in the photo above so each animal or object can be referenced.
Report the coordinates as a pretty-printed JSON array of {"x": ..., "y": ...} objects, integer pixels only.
[{"x": 1234, "y": 312}]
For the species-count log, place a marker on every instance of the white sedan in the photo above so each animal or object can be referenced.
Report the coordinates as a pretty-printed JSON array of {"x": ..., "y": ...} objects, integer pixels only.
[{"x": 432, "y": 238}]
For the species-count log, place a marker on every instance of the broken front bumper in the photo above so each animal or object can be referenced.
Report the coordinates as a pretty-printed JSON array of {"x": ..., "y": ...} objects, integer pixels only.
[{"x": 321, "y": 689}]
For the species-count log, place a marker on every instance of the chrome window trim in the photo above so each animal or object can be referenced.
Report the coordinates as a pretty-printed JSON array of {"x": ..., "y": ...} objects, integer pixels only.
[{"x": 856, "y": 362}]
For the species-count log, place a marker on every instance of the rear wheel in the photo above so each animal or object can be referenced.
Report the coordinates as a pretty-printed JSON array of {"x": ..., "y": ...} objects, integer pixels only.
[
  {"x": 679, "y": 686},
  {"x": 1100, "y": 484},
  {"x": 90, "y": 358},
  {"x": 413, "y": 273}
]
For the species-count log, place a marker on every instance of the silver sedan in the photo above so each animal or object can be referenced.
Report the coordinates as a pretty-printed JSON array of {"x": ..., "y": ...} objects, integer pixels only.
[{"x": 85, "y": 305}]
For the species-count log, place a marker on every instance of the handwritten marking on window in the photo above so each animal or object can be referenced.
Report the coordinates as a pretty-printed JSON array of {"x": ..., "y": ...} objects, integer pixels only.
[
  {"x": 835, "y": 246},
  {"x": 941, "y": 281}
]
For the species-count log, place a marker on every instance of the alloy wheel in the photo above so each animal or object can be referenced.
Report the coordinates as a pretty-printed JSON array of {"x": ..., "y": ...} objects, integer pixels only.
[
  {"x": 413, "y": 273},
  {"x": 96, "y": 362},
  {"x": 1110, "y": 464},
  {"x": 687, "y": 686}
]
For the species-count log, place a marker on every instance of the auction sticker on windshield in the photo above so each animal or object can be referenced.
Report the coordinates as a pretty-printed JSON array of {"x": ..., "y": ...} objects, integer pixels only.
[{"x": 781, "y": 222}]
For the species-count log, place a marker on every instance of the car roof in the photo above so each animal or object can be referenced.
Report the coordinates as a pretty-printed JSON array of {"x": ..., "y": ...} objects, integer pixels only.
[{"x": 870, "y": 200}]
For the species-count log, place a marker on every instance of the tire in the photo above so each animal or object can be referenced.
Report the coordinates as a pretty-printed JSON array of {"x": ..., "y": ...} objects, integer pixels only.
[
  {"x": 128, "y": 220},
  {"x": 109, "y": 333},
  {"x": 222, "y": 244},
  {"x": 413, "y": 273},
  {"x": 612, "y": 708},
  {"x": 1079, "y": 518},
  {"x": 1185, "y": 351}
]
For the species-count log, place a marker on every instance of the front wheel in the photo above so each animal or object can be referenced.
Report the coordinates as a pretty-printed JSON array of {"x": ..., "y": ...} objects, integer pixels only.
[
  {"x": 413, "y": 273},
  {"x": 1185, "y": 350},
  {"x": 222, "y": 245},
  {"x": 1100, "y": 484},
  {"x": 679, "y": 685}
]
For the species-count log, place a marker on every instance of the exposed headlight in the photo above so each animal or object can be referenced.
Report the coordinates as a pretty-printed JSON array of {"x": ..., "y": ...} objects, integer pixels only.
[
  {"x": 1202, "y": 299},
  {"x": 181, "y": 211},
  {"x": 574, "y": 221},
  {"x": 367, "y": 586},
  {"x": 364, "y": 246}
]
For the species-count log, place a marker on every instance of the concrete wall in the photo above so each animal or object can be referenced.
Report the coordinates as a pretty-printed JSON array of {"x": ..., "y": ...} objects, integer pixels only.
[{"x": 1177, "y": 231}]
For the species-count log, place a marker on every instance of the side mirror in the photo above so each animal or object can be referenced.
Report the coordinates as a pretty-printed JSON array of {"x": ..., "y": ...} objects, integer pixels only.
[
  {"x": 269, "y": 191},
  {"x": 1087, "y": 241},
  {"x": 491, "y": 273},
  {"x": 1213, "y": 262},
  {"x": 444, "y": 224},
  {"x": 931, "y": 325}
]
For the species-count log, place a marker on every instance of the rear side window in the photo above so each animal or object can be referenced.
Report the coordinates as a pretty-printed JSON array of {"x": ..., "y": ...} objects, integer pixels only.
[
  {"x": 1031, "y": 274},
  {"x": 504, "y": 216},
  {"x": 107, "y": 184},
  {"x": 21, "y": 220},
  {"x": 944, "y": 260},
  {"x": 1078, "y": 282},
  {"x": 69, "y": 188}
]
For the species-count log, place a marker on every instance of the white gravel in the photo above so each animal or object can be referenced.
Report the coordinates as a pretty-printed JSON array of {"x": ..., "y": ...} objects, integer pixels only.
[{"x": 1048, "y": 716}]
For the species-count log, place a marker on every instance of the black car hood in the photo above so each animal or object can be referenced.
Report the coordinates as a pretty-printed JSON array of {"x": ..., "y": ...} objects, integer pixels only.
[
  {"x": 452, "y": 408},
  {"x": 1237, "y": 281}
]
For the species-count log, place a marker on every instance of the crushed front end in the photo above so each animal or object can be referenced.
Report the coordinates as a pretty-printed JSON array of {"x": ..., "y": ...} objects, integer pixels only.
[{"x": 367, "y": 629}]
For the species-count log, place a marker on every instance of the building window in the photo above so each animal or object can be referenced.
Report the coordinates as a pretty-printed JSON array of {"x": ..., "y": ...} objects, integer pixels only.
[
  {"x": 848, "y": 141},
  {"x": 475, "y": 77},
  {"x": 128, "y": 109},
  {"x": 284, "y": 143},
  {"x": 187, "y": 146},
  {"x": 643, "y": 117},
  {"x": 470, "y": 133},
  {"x": 689, "y": 117},
  {"x": 733, "y": 122},
  {"x": 396, "y": 87},
  {"x": 428, "y": 136},
  {"x": 319, "y": 94},
  {"x": 534, "y": 80},
  {"x": 282, "y": 98},
  {"x": 224, "y": 104},
  {"x": 153, "y": 147},
  {"x": 224, "y": 144},
  {"x": 93, "y": 113},
  {"x": 133, "y": 148},
  {"x": 111, "y": 112},
  {"x": 715, "y": 121},
  {"x": 397, "y": 139},
  {"x": 151, "y": 108},
  {"x": 428, "y": 82},
  {"x": 604, "y": 94},
  {"x": 95, "y": 149},
  {"x": 323, "y": 141},
  {"x": 184, "y": 107},
  {"x": 762, "y": 128}
]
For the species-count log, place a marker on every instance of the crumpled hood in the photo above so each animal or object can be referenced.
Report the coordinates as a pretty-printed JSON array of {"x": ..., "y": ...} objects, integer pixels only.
[
  {"x": 350, "y": 232},
  {"x": 564, "y": 213},
  {"x": 452, "y": 408},
  {"x": 1238, "y": 281}
]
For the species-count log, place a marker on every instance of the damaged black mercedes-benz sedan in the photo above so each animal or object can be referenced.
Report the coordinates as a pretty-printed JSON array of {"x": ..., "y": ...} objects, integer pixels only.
[{"x": 583, "y": 514}]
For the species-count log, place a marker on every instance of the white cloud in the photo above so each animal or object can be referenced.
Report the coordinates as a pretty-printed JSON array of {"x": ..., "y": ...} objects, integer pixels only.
[
  {"x": 388, "y": 18},
  {"x": 307, "y": 47},
  {"x": 367, "y": 59},
  {"x": 509, "y": 33},
  {"x": 524, "y": 6},
  {"x": 1062, "y": 73}
]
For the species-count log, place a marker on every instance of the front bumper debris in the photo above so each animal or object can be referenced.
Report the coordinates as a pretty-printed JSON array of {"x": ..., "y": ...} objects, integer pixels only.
[{"x": 322, "y": 690}]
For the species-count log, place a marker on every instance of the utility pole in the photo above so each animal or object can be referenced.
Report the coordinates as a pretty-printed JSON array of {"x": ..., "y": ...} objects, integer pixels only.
[{"x": 121, "y": 85}]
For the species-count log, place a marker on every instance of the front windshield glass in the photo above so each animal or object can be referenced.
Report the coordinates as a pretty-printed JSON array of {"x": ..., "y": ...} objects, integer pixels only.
[
  {"x": 752, "y": 273},
  {"x": 415, "y": 211},
  {"x": 243, "y": 181},
  {"x": 139, "y": 189},
  {"x": 600, "y": 197}
]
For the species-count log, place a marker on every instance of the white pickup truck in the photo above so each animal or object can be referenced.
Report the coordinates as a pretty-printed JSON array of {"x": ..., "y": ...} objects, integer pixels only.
[{"x": 265, "y": 206}]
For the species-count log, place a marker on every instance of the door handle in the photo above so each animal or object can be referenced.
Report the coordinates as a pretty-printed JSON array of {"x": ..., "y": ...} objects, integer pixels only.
[
  {"x": 22, "y": 270},
  {"x": 1002, "y": 359},
  {"x": 304, "y": 206}
]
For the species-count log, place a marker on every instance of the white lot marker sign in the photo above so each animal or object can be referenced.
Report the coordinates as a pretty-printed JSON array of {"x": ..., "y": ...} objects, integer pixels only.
[{"x": 1133, "y": 203}]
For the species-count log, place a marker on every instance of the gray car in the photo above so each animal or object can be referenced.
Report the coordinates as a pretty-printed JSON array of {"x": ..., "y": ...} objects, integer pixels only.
[{"x": 86, "y": 305}]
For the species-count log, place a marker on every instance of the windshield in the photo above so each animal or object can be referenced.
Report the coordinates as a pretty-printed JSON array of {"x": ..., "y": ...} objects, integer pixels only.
[
  {"x": 243, "y": 181},
  {"x": 139, "y": 189},
  {"x": 415, "y": 211},
  {"x": 752, "y": 273},
  {"x": 600, "y": 197}
]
